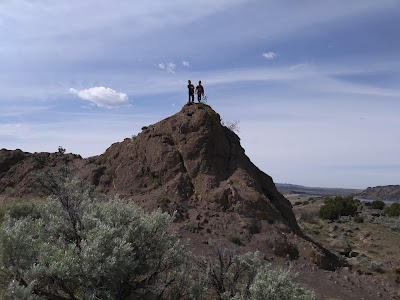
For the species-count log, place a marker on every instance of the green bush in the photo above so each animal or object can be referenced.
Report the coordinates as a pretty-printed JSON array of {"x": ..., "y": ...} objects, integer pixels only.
[
  {"x": 192, "y": 227},
  {"x": 335, "y": 207},
  {"x": 235, "y": 239},
  {"x": 358, "y": 219},
  {"x": 83, "y": 248},
  {"x": 377, "y": 204},
  {"x": 9, "y": 191},
  {"x": 18, "y": 208},
  {"x": 22, "y": 210},
  {"x": 228, "y": 276},
  {"x": 393, "y": 210}
]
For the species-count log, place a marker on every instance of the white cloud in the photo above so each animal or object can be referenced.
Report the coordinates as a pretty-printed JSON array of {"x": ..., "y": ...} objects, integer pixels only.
[
  {"x": 171, "y": 67},
  {"x": 185, "y": 63},
  {"x": 269, "y": 55},
  {"x": 102, "y": 96}
]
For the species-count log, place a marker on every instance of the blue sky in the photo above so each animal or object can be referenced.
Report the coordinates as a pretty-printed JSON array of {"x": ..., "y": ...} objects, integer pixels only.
[{"x": 313, "y": 84}]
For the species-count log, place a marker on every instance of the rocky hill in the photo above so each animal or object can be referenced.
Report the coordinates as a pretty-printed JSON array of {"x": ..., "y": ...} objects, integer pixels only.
[
  {"x": 387, "y": 192},
  {"x": 189, "y": 164}
]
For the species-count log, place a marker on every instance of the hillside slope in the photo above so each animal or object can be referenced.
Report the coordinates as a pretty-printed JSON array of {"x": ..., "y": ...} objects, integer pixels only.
[{"x": 387, "y": 192}]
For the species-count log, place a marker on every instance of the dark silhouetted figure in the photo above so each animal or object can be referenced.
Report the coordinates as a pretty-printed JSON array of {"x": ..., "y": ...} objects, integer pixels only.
[
  {"x": 191, "y": 91},
  {"x": 199, "y": 91}
]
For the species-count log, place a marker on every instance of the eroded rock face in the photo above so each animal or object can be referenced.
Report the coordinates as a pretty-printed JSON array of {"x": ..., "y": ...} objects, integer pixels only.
[
  {"x": 18, "y": 169},
  {"x": 194, "y": 161},
  {"x": 387, "y": 192},
  {"x": 191, "y": 165}
]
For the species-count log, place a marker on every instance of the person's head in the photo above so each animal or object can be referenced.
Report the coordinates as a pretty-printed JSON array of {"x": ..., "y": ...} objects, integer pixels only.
[
  {"x": 189, "y": 82},
  {"x": 199, "y": 81}
]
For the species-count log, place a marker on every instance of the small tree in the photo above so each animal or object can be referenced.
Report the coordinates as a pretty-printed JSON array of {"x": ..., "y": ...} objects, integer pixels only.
[
  {"x": 335, "y": 207},
  {"x": 61, "y": 150},
  {"x": 377, "y": 204},
  {"x": 393, "y": 210}
]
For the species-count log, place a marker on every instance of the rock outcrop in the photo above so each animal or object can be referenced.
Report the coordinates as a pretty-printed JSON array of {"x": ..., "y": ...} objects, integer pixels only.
[
  {"x": 387, "y": 192},
  {"x": 191, "y": 165},
  {"x": 18, "y": 169}
]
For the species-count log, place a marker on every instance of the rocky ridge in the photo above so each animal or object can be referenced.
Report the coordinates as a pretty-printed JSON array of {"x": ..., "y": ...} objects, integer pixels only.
[{"x": 387, "y": 192}]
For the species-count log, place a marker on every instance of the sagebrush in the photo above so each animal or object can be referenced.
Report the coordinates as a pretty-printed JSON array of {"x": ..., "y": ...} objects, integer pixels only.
[{"x": 80, "y": 246}]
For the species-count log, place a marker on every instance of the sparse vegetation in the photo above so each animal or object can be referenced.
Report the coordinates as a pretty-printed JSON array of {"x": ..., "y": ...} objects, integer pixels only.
[
  {"x": 248, "y": 277},
  {"x": 9, "y": 191},
  {"x": 191, "y": 226},
  {"x": 17, "y": 207},
  {"x": 164, "y": 200},
  {"x": 235, "y": 239},
  {"x": 376, "y": 204},
  {"x": 335, "y": 207},
  {"x": 393, "y": 210},
  {"x": 358, "y": 219},
  {"x": 231, "y": 125},
  {"x": 61, "y": 150},
  {"x": 155, "y": 181}
]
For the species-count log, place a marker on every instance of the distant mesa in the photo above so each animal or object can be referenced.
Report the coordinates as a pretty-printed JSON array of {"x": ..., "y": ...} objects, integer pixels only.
[{"x": 387, "y": 192}]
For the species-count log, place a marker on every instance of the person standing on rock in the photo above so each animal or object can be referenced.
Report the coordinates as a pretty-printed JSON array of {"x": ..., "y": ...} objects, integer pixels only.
[
  {"x": 199, "y": 91},
  {"x": 191, "y": 91}
]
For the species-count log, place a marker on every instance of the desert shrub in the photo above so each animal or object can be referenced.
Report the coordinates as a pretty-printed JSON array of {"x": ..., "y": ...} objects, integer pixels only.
[
  {"x": 309, "y": 216},
  {"x": 23, "y": 210},
  {"x": 335, "y": 207},
  {"x": 231, "y": 125},
  {"x": 235, "y": 239},
  {"x": 395, "y": 275},
  {"x": 80, "y": 247},
  {"x": 61, "y": 150},
  {"x": 247, "y": 277},
  {"x": 377, "y": 204},
  {"x": 192, "y": 227},
  {"x": 18, "y": 208},
  {"x": 393, "y": 210},
  {"x": 9, "y": 191},
  {"x": 164, "y": 200},
  {"x": 358, "y": 219}
]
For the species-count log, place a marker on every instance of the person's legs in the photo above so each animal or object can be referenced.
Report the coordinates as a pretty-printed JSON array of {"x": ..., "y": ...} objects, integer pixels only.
[
  {"x": 191, "y": 97},
  {"x": 199, "y": 97}
]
